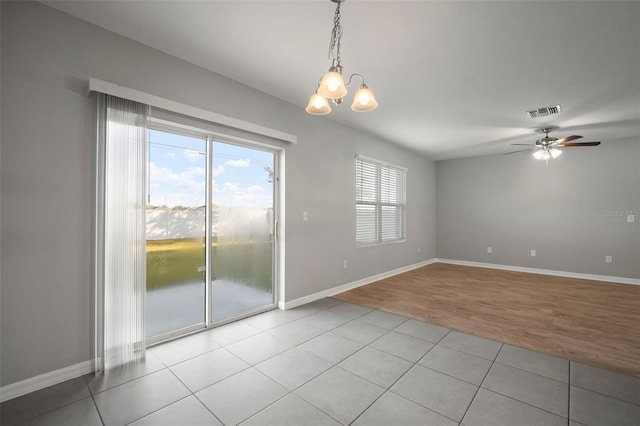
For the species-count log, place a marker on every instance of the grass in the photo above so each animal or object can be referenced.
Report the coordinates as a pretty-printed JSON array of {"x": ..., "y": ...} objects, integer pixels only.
[
  {"x": 176, "y": 261},
  {"x": 154, "y": 246}
]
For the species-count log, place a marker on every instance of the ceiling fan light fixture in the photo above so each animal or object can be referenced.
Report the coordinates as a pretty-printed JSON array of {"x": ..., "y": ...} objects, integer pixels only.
[
  {"x": 546, "y": 148},
  {"x": 332, "y": 86}
]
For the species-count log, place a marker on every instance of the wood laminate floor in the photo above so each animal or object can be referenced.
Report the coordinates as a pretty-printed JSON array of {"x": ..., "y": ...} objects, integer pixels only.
[{"x": 592, "y": 322}]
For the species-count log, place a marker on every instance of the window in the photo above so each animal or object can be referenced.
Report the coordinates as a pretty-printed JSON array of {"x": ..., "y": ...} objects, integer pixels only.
[{"x": 381, "y": 202}]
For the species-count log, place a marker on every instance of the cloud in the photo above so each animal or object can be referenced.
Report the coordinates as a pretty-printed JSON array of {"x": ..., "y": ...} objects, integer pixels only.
[
  {"x": 186, "y": 188},
  {"x": 193, "y": 156},
  {"x": 238, "y": 163},
  {"x": 233, "y": 194},
  {"x": 160, "y": 174},
  {"x": 218, "y": 170}
]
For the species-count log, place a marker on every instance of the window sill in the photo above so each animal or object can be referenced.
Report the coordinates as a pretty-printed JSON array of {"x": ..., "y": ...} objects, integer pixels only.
[{"x": 364, "y": 245}]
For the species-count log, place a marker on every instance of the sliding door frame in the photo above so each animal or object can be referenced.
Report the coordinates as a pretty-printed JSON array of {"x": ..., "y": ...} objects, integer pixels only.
[
  {"x": 277, "y": 261},
  {"x": 276, "y": 285}
]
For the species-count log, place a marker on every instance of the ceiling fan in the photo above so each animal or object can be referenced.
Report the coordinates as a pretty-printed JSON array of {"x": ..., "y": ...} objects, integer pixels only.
[{"x": 546, "y": 148}]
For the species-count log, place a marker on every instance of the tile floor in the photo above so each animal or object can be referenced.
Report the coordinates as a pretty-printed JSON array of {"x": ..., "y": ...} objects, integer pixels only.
[{"x": 337, "y": 363}]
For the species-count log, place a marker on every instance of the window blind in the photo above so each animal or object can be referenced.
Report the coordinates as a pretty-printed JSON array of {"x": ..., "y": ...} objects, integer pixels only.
[{"x": 381, "y": 199}]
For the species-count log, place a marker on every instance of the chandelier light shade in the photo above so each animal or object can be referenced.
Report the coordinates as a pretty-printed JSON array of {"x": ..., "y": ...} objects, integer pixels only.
[
  {"x": 332, "y": 86},
  {"x": 318, "y": 105},
  {"x": 364, "y": 100}
]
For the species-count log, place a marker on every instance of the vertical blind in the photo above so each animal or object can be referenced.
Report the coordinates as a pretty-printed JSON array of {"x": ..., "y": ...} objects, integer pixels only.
[
  {"x": 381, "y": 200},
  {"x": 121, "y": 280}
]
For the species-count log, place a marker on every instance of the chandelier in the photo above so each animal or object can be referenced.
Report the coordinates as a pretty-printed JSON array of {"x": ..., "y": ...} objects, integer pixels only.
[{"x": 331, "y": 86}]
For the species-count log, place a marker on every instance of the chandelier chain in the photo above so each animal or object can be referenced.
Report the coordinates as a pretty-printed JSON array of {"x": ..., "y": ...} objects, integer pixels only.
[
  {"x": 336, "y": 36},
  {"x": 332, "y": 87}
]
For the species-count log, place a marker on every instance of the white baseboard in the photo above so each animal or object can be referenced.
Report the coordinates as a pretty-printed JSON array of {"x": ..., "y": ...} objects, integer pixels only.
[
  {"x": 349, "y": 286},
  {"x": 51, "y": 378},
  {"x": 45, "y": 380},
  {"x": 619, "y": 280}
]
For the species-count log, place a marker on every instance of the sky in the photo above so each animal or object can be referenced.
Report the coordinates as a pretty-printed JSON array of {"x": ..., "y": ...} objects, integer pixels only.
[{"x": 177, "y": 173}]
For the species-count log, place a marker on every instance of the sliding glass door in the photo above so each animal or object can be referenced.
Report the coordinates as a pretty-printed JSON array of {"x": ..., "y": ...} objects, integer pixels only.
[
  {"x": 243, "y": 231},
  {"x": 176, "y": 226},
  {"x": 232, "y": 248}
]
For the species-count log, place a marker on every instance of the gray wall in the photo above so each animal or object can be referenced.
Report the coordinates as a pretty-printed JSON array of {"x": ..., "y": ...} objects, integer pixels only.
[
  {"x": 47, "y": 154},
  {"x": 573, "y": 213}
]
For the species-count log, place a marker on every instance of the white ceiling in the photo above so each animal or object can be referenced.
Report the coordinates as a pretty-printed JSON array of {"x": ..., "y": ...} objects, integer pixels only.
[{"x": 453, "y": 78}]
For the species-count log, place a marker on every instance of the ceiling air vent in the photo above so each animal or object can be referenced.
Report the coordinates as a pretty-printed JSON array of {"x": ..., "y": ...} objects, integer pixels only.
[{"x": 544, "y": 111}]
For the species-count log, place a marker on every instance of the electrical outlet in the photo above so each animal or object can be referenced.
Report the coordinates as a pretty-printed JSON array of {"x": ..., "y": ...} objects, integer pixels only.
[
  {"x": 419, "y": 248},
  {"x": 631, "y": 218},
  {"x": 489, "y": 250},
  {"x": 305, "y": 215},
  {"x": 533, "y": 253},
  {"x": 345, "y": 265},
  {"x": 608, "y": 259}
]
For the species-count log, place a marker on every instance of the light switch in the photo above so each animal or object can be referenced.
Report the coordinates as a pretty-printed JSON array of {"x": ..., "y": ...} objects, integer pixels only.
[{"x": 305, "y": 215}]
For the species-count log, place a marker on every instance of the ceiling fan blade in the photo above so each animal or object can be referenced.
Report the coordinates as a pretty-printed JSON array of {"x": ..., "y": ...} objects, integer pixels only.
[
  {"x": 520, "y": 150},
  {"x": 567, "y": 139},
  {"x": 523, "y": 144},
  {"x": 578, "y": 144}
]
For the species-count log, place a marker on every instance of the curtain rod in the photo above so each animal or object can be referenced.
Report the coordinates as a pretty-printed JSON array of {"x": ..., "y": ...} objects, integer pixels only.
[{"x": 96, "y": 85}]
